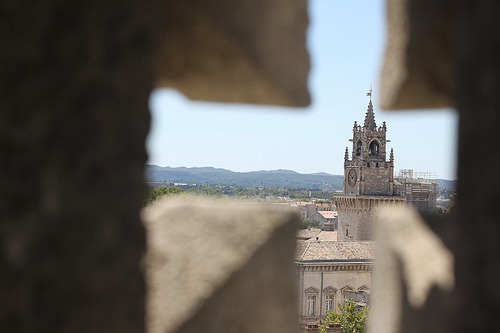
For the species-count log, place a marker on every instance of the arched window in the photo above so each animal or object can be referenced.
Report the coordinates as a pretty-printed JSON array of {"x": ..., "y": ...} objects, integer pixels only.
[
  {"x": 358, "y": 148},
  {"x": 311, "y": 296},
  {"x": 329, "y": 298},
  {"x": 364, "y": 295},
  {"x": 374, "y": 148},
  {"x": 347, "y": 292}
]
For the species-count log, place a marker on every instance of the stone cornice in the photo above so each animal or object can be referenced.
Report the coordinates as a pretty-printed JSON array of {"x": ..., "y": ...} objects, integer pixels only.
[
  {"x": 365, "y": 203},
  {"x": 335, "y": 266},
  {"x": 372, "y": 197}
]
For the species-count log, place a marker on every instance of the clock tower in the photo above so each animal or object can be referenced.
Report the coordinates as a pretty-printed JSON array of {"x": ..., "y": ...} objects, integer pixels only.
[
  {"x": 368, "y": 171},
  {"x": 368, "y": 179}
]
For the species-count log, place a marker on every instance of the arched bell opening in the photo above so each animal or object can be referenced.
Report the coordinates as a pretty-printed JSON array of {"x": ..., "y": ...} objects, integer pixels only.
[{"x": 374, "y": 149}]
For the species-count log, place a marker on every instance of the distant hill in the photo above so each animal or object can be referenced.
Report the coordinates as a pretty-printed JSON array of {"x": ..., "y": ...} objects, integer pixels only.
[
  {"x": 273, "y": 178},
  {"x": 276, "y": 171},
  {"x": 321, "y": 174},
  {"x": 447, "y": 184},
  {"x": 209, "y": 175}
]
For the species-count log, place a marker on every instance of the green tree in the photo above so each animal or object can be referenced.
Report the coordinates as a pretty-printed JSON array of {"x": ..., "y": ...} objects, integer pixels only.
[
  {"x": 161, "y": 192},
  {"x": 321, "y": 194},
  {"x": 243, "y": 192},
  {"x": 351, "y": 317},
  {"x": 450, "y": 205},
  {"x": 270, "y": 191},
  {"x": 147, "y": 199},
  {"x": 206, "y": 191},
  {"x": 308, "y": 223},
  {"x": 194, "y": 191},
  {"x": 212, "y": 191}
]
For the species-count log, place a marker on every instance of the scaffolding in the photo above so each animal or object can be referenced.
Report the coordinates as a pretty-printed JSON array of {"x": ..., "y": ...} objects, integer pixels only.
[{"x": 419, "y": 188}]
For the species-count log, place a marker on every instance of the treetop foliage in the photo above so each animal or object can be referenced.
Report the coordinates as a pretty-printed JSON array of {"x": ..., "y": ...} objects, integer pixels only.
[
  {"x": 352, "y": 317},
  {"x": 307, "y": 223},
  {"x": 156, "y": 194}
]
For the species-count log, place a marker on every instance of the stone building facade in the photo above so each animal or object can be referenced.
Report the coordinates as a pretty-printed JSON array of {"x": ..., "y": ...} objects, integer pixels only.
[
  {"x": 368, "y": 179},
  {"x": 326, "y": 219},
  {"x": 330, "y": 272},
  {"x": 355, "y": 214}
]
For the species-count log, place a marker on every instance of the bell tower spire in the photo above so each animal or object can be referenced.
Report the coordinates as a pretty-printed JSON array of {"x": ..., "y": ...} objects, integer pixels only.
[
  {"x": 370, "y": 116},
  {"x": 368, "y": 179},
  {"x": 368, "y": 162}
]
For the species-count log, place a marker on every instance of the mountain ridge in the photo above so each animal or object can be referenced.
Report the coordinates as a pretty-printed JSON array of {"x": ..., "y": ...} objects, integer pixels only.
[{"x": 211, "y": 175}]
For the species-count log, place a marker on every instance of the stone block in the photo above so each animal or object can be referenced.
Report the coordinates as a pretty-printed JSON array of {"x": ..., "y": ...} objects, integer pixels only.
[
  {"x": 249, "y": 51},
  {"x": 74, "y": 88},
  {"x": 219, "y": 266},
  {"x": 414, "y": 276},
  {"x": 418, "y": 67}
]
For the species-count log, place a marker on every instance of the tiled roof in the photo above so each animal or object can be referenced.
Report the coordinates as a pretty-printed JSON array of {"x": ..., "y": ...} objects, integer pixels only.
[
  {"x": 324, "y": 236},
  {"x": 311, "y": 234},
  {"x": 327, "y": 214},
  {"x": 307, "y": 233},
  {"x": 303, "y": 203},
  {"x": 301, "y": 247},
  {"x": 325, "y": 205},
  {"x": 332, "y": 250}
]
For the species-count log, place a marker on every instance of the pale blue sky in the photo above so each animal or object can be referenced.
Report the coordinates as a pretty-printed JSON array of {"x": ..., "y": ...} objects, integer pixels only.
[{"x": 345, "y": 41}]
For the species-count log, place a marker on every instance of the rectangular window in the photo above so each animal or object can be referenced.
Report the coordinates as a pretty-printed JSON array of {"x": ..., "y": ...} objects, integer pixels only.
[
  {"x": 311, "y": 305},
  {"x": 347, "y": 232},
  {"x": 329, "y": 303}
]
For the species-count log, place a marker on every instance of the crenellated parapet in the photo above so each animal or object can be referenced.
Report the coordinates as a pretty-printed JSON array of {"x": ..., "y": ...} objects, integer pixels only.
[
  {"x": 355, "y": 213},
  {"x": 365, "y": 266},
  {"x": 366, "y": 203}
]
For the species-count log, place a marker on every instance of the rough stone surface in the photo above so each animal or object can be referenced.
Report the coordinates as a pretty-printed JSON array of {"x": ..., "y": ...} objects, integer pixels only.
[
  {"x": 476, "y": 53},
  {"x": 377, "y": 180},
  {"x": 368, "y": 179},
  {"x": 215, "y": 266},
  {"x": 411, "y": 261},
  {"x": 418, "y": 66},
  {"x": 463, "y": 49},
  {"x": 356, "y": 214},
  {"x": 74, "y": 88},
  {"x": 250, "y": 51},
  {"x": 74, "y": 84},
  {"x": 75, "y": 78}
]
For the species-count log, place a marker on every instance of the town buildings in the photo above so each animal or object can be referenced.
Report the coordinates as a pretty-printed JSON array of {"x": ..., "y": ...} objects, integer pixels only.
[
  {"x": 327, "y": 219},
  {"x": 333, "y": 266},
  {"x": 329, "y": 272}
]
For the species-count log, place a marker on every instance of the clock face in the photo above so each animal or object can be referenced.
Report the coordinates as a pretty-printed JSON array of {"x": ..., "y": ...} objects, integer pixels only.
[{"x": 352, "y": 178}]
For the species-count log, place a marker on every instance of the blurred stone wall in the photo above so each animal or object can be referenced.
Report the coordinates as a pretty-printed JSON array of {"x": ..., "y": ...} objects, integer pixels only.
[
  {"x": 75, "y": 79},
  {"x": 445, "y": 54},
  {"x": 74, "y": 87}
]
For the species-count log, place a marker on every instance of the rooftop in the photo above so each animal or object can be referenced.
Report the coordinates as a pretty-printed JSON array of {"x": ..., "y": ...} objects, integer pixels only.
[
  {"x": 328, "y": 214},
  {"x": 307, "y": 233},
  {"x": 324, "y": 236},
  {"x": 312, "y": 250}
]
